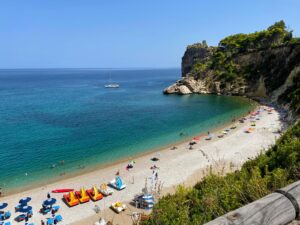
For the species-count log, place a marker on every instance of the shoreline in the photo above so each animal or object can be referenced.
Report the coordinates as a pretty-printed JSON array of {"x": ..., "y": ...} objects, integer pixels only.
[
  {"x": 67, "y": 176},
  {"x": 178, "y": 166},
  {"x": 220, "y": 166}
]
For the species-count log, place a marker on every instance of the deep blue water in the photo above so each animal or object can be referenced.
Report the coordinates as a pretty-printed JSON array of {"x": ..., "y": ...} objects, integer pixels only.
[{"x": 66, "y": 114}]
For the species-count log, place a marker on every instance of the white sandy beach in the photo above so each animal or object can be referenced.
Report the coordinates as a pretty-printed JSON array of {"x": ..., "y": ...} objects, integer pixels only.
[{"x": 176, "y": 167}]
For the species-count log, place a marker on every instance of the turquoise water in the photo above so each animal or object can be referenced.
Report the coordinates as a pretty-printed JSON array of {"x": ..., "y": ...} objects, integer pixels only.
[{"x": 47, "y": 116}]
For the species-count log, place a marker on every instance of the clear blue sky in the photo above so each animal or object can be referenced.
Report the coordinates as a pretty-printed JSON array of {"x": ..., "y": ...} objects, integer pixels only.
[{"x": 126, "y": 33}]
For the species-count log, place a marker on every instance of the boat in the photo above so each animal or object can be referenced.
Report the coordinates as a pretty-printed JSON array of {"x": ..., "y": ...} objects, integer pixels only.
[
  {"x": 117, "y": 183},
  {"x": 118, "y": 207},
  {"x": 111, "y": 84},
  {"x": 71, "y": 199},
  {"x": 94, "y": 194},
  {"x": 82, "y": 196},
  {"x": 62, "y": 190},
  {"x": 114, "y": 85},
  {"x": 105, "y": 190}
]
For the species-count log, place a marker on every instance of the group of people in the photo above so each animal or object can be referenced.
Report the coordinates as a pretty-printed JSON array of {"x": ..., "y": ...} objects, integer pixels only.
[{"x": 52, "y": 211}]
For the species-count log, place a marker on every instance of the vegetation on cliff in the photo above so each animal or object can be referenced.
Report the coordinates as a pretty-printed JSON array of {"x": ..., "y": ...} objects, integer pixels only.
[
  {"x": 216, "y": 195},
  {"x": 222, "y": 61},
  {"x": 274, "y": 36},
  {"x": 256, "y": 65},
  {"x": 292, "y": 95},
  {"x": 271, "y": 55}
]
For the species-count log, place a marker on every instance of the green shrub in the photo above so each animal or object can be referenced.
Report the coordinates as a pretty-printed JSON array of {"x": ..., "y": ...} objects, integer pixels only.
[{"x": 216, "y": 195}]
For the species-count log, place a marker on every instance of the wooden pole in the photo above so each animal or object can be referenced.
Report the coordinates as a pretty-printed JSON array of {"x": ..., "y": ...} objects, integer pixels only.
[{"x": 278, "y": 208}]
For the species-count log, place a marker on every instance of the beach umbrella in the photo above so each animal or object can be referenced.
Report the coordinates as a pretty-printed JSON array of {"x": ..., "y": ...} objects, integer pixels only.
[
  {"x": 49, "y": 201},
  {"x": 3, "y": 205},
  {"x": 24, "y": 201},
  {"x": 25, "y": 209}
]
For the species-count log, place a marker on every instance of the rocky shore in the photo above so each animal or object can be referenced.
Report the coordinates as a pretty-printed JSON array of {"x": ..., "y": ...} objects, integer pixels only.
[{"x": 269, "y": 71}]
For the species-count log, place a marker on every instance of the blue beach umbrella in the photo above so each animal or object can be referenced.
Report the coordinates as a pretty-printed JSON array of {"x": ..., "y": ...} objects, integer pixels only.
[
  {"x": 3, "y": 205},
  {"x": 25, "y": 209},
  {"x": 49, "y": 201},
  {"x": 24, "y": 201}
]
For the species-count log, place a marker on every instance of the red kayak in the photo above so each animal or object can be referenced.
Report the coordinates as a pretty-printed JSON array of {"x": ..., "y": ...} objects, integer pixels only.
[{"x": 62, "y": 190}]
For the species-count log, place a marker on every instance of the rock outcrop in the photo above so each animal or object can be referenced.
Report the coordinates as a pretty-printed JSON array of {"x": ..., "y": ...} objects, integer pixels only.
[
  {"x": 192, "y": 54},
  {"x": 268, "y": 72}
]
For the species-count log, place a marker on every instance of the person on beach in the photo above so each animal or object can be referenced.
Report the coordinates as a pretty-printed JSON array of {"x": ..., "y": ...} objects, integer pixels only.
[
  {"x": 118, "y": 173},
  {"x": 53, "y": 212},
  {"x": 48, "y": 195},
  {"x": 0, "y": 192},
  {"x": 156, "y": 176},
  {"x": 42, "y": 222}
]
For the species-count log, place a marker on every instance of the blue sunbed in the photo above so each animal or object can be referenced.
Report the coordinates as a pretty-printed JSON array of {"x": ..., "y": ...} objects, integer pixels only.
[
  {"x": 4, "y": 223},
  {"x": 50, "y": 221},
  {"x": 58, "y": 218}
]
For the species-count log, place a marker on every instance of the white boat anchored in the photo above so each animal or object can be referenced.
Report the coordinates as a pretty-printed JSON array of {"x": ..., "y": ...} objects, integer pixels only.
[{"x": 112, "y": 85}]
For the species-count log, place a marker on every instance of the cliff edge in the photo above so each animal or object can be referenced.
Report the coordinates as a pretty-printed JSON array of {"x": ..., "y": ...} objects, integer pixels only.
[{"x": 260, "y": 65}]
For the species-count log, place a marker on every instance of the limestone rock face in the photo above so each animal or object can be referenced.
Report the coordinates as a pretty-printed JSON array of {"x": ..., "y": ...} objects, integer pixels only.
[
  {"x": 178, "y": 88},
  {"x": 192, "y": 54},
  {"x": 261, "y": 74},
  {"x": 184, "y": 90}
]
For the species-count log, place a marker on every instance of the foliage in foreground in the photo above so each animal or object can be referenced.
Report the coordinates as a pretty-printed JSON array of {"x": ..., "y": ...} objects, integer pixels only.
[{"x": 216, "y": 195}]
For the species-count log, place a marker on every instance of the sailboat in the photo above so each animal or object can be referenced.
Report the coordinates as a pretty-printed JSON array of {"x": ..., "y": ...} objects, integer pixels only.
[{"x": 111, "y": 85}]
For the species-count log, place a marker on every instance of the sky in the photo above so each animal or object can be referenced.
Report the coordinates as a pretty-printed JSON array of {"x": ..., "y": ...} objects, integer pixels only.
[{"x": 126, "y": 33}]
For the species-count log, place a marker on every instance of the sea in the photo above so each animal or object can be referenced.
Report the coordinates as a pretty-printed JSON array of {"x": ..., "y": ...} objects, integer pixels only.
[{"x": 61, "y": 122}]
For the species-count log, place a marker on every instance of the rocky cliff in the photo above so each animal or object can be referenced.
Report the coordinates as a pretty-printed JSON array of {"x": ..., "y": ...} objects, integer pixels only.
[{"x": 260, "y": 65}]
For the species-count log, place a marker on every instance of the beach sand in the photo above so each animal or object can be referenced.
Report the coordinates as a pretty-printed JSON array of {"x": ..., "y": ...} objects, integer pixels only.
[{"x": 180, "y": 166}]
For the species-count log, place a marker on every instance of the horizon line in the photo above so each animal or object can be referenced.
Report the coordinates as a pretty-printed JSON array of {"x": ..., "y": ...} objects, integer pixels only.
[{"x": 90, "y": 68}]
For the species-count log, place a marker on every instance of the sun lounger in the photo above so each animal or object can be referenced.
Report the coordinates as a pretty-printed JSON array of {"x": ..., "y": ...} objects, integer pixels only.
[
  {"x": 20, "y": 218},
  {"x": 58, "y": 218},
  {"x": 56, "y": 208},
  {"x": 4, "y": 223},
  {"x": 5, "y": 215},
  {"x": 49, "y": 209},
  {"x": 50, "y": 221}
]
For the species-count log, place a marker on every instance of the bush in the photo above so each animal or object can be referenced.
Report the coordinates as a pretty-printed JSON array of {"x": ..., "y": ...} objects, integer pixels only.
[{"x": 217, "y": 195}]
